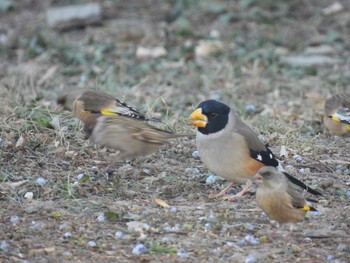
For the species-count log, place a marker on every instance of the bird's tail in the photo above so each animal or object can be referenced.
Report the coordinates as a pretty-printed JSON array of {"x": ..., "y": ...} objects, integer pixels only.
[{"x": 299, "y": 183}]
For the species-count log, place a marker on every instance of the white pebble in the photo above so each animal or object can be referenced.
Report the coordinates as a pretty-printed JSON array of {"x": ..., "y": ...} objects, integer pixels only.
[
  {"x": 297, "y": 158},
  {"x": 40, "y": 181},
  {"x": 301, "y": 170},
  {"x": 139, "y": 249},
  {"x": 80, "y": 176},
  {"x": 14, "y": 219},
  {"x": 101, "y": 218},
  {"x": 307, "y": 239},
  {"x": 182, "y": 253},
  {"x": 251, "y": 240},
  {"x": 91, "y": 244},
  {"x": 67, "y": 235},
  {"x": 196, "y": 155},
  {"x": 342, "y": 247},
  {"x": 330, "y": 257},
  {"x": 118, "y": 234},
  {"x": 29, "y": 196},
  {"x": 348, "y": 194},
  {"x": 230, "y": 244},
  {"x": 4, "y": 245},
  {"x": 210, "y": 179}
]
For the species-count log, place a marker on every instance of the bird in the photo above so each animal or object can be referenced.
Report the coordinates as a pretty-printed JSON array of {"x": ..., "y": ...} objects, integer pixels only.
[
  {"x": 114, "y": 124},
  {"x": 92, "y": 104},
  {"x": 337, "y": 114},
  {"x": 277, "y": 198},
  {"x": 230, "y": 148}
]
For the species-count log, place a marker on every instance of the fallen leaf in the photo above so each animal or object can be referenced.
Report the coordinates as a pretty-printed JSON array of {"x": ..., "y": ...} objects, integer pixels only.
[
  {"x": 20, "y": 141},
  {"x": 161, "y": 202}
]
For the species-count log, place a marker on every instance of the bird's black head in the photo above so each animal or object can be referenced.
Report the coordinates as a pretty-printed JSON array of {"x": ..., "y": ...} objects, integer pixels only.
[{"x": 210, "y": 116}]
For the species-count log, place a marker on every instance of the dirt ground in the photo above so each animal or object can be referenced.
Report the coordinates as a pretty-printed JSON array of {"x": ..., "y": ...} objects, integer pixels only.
[{"x": 89, "y": 207}]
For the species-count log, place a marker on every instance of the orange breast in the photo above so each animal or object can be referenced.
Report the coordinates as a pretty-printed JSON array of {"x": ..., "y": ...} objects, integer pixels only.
[{"x": 252, "y": 166}]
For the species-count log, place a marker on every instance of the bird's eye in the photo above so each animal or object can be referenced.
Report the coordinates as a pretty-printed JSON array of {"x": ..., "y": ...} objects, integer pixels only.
[{"x": 213, "y": 114}]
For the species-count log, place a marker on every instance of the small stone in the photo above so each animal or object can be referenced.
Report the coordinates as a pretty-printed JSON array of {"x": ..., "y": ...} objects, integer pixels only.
[
  {"x": 173, "y": 209},
  {"x": 118, "y": 234},
  {"x": 195, "y": 155},
  {"x": 4, "y": 245},
  {"x": 165, "y": 240},
  {"x": 342, "y": 247},
  {"x": 29, "y": 196},
  {"x": 14, "y": 219},
  {"x": 250, "y": 259},
  {"x": 348, "y": 194},
  {"x": 308, "y": 240},
  {"x": 67, "y": 255},
  {"x": 91, "y": 244},
  {"x": 67, "y": 235},
  {"x": 101, "y": 218},
  {"x": 250, "y": 108},
  {"x": 230, "y": 244},
  {"x": 80, "y": 176},
  {"x": 214, "y": 33},
  {"x": 182, "y": 253},
  {"x": 333, "y": 8},
  {"x": 139, "y": 249},
  {"x": 297, "y": 158},
  {"x": 301, "y": 170},
  {"x": 40, "y": 181},
  {"x": 249, "y": 226},
  {"x": 211, "y": 179},
  {"x": 251, "y": 240},
  {"x": 329, "y": 257}
]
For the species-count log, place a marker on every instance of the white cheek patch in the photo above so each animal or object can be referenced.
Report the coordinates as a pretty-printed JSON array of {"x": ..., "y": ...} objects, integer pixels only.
[{"x": 259, "y": 157}]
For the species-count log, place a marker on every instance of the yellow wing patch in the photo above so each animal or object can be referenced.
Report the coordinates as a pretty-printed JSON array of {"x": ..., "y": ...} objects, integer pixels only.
[{"x": 107, "y": 112}]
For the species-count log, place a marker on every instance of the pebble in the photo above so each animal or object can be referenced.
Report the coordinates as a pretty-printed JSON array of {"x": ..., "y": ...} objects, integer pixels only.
[
  {"x": 118, "y": 234},
  {"x": 80, "y": 176},
  {"x": 297, "y": 158},
  {"x": 302, "y": 170},
  {"x": 67, "y": 235},
  {"x": 249, "y": 226},
  {"x": 4, "y": 245},
  {"x": 40, "y": 181},
  {"x": 330, "y": 257},
  {"x": 14, "y": 219},
  {"x": 101, "y": 218},
  {"x": 348, "y": 194},
  {"x": 249, "y": 108},
  {"x": 91, "y": 244},
  {"x": 139, "y": 249},
  {"x": 173, "y": 209},
  {"x": 182, "y": 253},
  {"x": 165, "y": 240},
  {"x": 247, "y": 240},
  {"x": 29, "y": 196},
  {"x": 196, "y": 155},
  {"x": 250, "y": 259},
  {"x": 342, "y": 247},
  {"x": 210, "y": 179}
]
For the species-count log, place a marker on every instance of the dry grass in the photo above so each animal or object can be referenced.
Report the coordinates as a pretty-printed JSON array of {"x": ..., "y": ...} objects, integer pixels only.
[{"x": 40, "y": 63}]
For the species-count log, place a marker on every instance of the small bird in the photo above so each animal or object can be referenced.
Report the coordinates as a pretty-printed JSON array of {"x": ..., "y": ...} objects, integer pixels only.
[
  {"x": 114, "y": 124},
  {"x": 276, "y": 197},
  {"x": 92, "y": 104},
  {"x": 229, "y": 148},
  {"x": 337, "y": 114}
]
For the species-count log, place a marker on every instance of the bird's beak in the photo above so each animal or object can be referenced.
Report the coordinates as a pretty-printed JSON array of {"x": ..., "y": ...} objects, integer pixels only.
[
  {"x": 258, "y": 179},
  {"x": 198, "y": 119}
]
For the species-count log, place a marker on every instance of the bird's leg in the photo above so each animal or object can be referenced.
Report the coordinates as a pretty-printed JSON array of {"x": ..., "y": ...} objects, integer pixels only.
[
  {"x": 221, "y": 193},
  {"x": 238, "y": 195}
]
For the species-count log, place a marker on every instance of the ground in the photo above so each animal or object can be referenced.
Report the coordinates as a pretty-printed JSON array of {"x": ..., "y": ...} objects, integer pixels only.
[{"x": 88, "y": 206}]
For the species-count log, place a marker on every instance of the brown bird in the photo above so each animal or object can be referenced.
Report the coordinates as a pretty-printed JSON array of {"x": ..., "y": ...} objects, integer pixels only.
[
  {"x": 229, "y": 148},
  {"x": 337, "y": 114},
  {"x": 276, "y": 197},
  {"x": 114, "y": 124}
]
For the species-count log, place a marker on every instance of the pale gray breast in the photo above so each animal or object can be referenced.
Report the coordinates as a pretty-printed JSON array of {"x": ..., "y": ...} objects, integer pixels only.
[{"x": 223, "y": 153}]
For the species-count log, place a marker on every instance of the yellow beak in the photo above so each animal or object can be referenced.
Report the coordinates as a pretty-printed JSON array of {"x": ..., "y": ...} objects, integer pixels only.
[{"x": 198, "y": 119}]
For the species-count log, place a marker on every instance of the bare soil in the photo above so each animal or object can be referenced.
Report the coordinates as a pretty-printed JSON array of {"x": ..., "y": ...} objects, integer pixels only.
[{"x": 84, "y": 194}]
